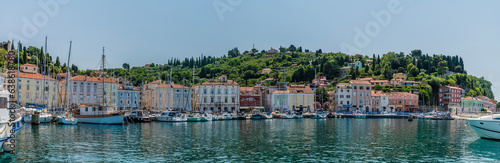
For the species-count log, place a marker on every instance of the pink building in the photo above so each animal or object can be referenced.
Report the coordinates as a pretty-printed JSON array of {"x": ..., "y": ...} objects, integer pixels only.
[{"x": 361, "y": 95}]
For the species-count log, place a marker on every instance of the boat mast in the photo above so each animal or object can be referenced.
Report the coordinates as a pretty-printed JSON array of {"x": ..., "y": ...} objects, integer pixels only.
[
  {"x": 44, "y": 55},
  {"x": 102, "y": 77},
  {"x": 67, "y": 76}
]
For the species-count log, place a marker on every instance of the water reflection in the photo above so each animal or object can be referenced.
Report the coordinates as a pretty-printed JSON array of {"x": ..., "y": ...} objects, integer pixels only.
[{"x": 274, "y": 140}]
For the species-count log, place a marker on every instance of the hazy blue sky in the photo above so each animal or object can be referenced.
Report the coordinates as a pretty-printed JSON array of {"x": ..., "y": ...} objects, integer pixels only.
[{"x": 140, "y": 32}]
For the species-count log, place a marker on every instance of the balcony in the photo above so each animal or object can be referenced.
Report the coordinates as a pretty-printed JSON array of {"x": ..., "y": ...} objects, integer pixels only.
[{"x": 446, "y": 97}]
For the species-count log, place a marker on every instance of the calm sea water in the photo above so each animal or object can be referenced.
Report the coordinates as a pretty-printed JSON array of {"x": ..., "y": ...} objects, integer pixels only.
[{"x": 274, "y": 140}]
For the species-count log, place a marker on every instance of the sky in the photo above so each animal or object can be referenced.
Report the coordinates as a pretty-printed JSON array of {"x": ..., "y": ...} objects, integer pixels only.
[{"x": 153, "y": 31}]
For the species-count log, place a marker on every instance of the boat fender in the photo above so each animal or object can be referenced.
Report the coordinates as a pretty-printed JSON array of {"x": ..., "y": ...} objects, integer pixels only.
[{"x": 7, "y": 146}]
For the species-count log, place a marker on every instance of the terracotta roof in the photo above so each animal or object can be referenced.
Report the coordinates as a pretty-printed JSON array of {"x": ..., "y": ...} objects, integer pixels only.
[
  {"x": 401, "y": 94},
  {"x": 300, "y": 89},
  {"x": 93, "y": 79},
  {"x": 378, "y": 93},
  {"x": 379, "y": 81},
  {"x": 367, "y": 79},
  {"x": 177, "y": 86},
  {"x": 448, "y": 86},
  {"x": 359, "y": 82},
  {"x": 31, "y": 65},
  {"x": 34, "y": 76},
  {"x": 281, "y": 91}
]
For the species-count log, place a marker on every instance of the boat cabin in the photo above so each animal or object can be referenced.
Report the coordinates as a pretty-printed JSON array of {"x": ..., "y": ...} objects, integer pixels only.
[{"x": 96, "y": 110}]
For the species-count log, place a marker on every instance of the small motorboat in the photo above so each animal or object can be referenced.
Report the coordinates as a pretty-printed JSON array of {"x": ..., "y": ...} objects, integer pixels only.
[
  {"x": 194, "y": 117},
  {"x": 139, "y": 116},
  {"x": 256, "y": 114}
]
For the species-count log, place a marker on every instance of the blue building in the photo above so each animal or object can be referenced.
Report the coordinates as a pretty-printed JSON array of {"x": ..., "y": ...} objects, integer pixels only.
[{"x": 128, "y": 97}]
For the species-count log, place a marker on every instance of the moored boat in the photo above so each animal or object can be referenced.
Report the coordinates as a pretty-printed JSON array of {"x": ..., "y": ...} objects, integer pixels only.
[
  {"x": 97, "y": 114},
  {"x": 139, "y": 116},
  {"x": 256, "y": 114},
  {"x": 486, "y": 127},
  {"x": 10, "y": 122}
]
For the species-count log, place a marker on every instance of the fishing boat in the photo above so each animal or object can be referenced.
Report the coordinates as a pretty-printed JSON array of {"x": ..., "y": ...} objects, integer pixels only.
[
  {"x": 9, "y": 124},
  {"x": 486, "y": 127},
  {"x": 99, "y": 113},
  {"x": 139, "y": 116}
]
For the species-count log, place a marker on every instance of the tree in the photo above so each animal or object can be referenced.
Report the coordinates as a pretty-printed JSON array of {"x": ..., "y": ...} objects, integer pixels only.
[
  {"x": 330, "y": 70},
  {"x": 498, "y": 105},
  {"x": 12, "y": 45},
  {"x": 233, "y": 52},
  {"x": 292, "y": 48},
  {"x": 322, "y": 95},
  {"x": 58, "y": 63},
  {"x": 377, "y": 87},
  {"x": 125, "y": 65},
  {"x": 442, "y": 67}
]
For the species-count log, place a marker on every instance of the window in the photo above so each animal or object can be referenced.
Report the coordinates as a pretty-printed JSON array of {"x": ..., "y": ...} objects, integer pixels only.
[
  {"x": 204, "y": 91},
  {"x": 232, "y": 99},
  {"x": 367, "y": 94},
  {"x": 225, "y": 91},
  {"x": 354, "y": 101},
  {"x": 341, "y": 102},
  {"x": 211, "y": 91},
  {"x": 86, "y": 109},
  {"x": 361, "y": 94},
  {"x": 218, "y": 91},
  {"x": 27, "y": 87},
  {"x": 225, "y": 100},
  {"x": 232, "y": 91},
  {"x": 20, "y": 85}
]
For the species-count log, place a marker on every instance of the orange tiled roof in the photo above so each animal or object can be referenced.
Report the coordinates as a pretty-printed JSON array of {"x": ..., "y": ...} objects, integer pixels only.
[
  {"x": 34, "y": 76},
  {"x": 93, "y": 79},
  {"x": 359, "y": 82}
]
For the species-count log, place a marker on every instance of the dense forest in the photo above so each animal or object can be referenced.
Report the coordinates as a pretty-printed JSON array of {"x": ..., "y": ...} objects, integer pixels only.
[{"x": 296, "y": 65}]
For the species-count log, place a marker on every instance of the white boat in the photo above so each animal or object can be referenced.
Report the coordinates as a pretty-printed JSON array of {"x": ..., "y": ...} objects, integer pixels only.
[
  {"x": 8, "y": 129},
  {"x": 226, "y": 116},
  {"x": 205, "y": 117},
  {"x": 96, "y": 114},
  {"x": 486, "y": 127},
  {"x": 297, "y": 116},
  {"x": 172, "y": 116},
  {"x": 139, "y": 116},
  {"x": 286, "y": 115},
  {"x": 67, "y": 119},
  {"x": 45, "y": 117},
  {"x": 266, "y": 115}
]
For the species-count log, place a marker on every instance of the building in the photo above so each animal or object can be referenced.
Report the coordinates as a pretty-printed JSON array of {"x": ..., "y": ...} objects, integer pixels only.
[
  {"x": 128, "y": 97},
  {"x": 471, "y": 105},
  {"x": 147, "y": 94},
  {"x": 91, "y": 90},
  {"x": 450, "y": 95},
  {"x": 361, "y": 95},
  {"x": 343, "y": 97},
  {"x": 271, "y": 52},
  {"x": 29, "y": 68},
  {"x": 170, "y": 96},
  {"x": 266, "y": 71},
  {"x": 358, "y": 64},
  {"x": 379, "y": 82},
  {"x": 397, "y": 82},
  {"x": 486, "y": 101},
  {"x": 319, "y": 82},
  {"x": 280, "y": 100},
  {"x": 251, "y": 98},
  {"x": 344, "y": 71},
  {"x": 301, "y": 98},
  {"x": 403, "y": 101},
  {"x": 5, "y": 45},
  {"x": 401, "y": 76},
  {"x": 217, "y": 95},
  {"x": 380, "y": 101},
  {"x": 37, "y": 88}
]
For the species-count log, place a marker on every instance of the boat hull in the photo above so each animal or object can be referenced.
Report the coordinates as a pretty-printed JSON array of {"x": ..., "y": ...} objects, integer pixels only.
[
  {"x": 5, "y": 134},
  {"x": 108, "y": 120},
  {"x": 486, "y": 129},
  {"x": 68, "y": 121}
]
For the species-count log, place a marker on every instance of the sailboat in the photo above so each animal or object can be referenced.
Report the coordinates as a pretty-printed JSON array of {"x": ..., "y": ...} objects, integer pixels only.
[
  {"x": 99, "y": 113},
  {"x": 68, "y": 118}
]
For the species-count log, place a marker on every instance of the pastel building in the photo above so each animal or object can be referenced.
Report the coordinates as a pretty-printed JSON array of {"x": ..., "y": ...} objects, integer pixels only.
[
  {"x": 92, "y": 90},
  {"x": 471, "y": 105},
  {"x": 36, "y": 88},
  {"x": 361, "y": 95},
  {"x": 380, "y": 101},
  {"x": 128, "y": 97},
  {"x": 403, "y": 101},
  {"x": 343, "y": 97}
]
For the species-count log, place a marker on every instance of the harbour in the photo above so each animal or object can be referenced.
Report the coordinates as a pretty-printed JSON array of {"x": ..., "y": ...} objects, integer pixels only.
[{"x": 273, "y": 140}]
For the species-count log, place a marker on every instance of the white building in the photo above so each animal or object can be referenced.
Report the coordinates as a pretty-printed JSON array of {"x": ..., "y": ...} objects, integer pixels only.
[
  {"x": 89, "y": 90},
  {"x": 217, "y": 95},
  {"x": 343, "y": 97}
]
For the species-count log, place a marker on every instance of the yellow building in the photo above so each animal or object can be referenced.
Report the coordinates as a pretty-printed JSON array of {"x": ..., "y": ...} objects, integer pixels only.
[
  {"x": 37, "y": 88},
  {"x": 294, "y": 97},
  {"x": 401, "y": 76}
]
